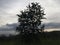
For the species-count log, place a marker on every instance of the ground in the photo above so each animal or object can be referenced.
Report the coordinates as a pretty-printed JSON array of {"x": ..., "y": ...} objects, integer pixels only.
[{"x": 48, "y": 39}]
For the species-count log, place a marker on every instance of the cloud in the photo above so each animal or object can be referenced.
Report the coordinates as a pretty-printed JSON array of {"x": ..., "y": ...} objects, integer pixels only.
[
  {"x": 52, "y": 25},
  {"x": 57, "y": 1},
  {"x": 11, "y": 27},
  {"x": 8, "y": 29},
  {"x": 9, "y": 9},
  {"x": 54, "y": 17}
]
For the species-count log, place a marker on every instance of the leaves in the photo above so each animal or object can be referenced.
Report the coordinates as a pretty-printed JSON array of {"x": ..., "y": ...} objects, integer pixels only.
[{"x": 31, "y": 17}]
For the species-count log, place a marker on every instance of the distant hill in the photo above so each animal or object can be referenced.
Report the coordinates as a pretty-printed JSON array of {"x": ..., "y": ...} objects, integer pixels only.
[{"x": 52, "y": 34}]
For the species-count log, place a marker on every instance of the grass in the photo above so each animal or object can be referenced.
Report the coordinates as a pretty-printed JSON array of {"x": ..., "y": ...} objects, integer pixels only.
[{"x": 34, "y": 41}]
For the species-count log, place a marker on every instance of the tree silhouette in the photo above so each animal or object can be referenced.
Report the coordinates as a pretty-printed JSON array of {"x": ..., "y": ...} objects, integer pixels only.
[{"x": 30, "y": 19}]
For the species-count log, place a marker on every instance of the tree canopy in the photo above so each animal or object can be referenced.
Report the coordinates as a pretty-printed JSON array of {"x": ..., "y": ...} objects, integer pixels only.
[{"x": 31, "y": 18}]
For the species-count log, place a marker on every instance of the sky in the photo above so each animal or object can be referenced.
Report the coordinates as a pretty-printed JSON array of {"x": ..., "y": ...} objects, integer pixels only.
[{"x": 10, "y": 8}]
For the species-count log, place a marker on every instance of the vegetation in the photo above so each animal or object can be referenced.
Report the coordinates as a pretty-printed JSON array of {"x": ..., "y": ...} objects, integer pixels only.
[
  {"x": 48, "y": 38},
  {"x": 30, "y": 19},
  {"x": 30, "y": 23}
]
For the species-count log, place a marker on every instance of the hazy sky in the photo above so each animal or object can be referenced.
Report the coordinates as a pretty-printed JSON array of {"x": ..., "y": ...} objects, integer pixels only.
[{"x": 9, "y": 9}]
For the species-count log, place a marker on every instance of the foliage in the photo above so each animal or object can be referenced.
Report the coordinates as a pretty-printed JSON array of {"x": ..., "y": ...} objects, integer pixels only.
[{"x": 30, "y": 19}]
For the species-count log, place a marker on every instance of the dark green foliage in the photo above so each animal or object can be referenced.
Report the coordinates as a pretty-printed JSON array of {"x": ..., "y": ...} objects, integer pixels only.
[
  {"x": 30, "y": 19},
  {"x": 48, "y": 38},
  {"x": 30, "y": 25}
]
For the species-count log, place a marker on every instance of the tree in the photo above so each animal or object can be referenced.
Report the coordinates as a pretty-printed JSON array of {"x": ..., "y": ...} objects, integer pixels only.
[{"x": 30, "y": 19}]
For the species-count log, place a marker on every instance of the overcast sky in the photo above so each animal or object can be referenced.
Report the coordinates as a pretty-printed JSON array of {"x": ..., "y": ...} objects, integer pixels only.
[{"x": 9, "y": 9}]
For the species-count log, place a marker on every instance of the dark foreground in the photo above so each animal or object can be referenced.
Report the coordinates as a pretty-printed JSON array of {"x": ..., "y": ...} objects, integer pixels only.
[{"x": 52, "y": 38}]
